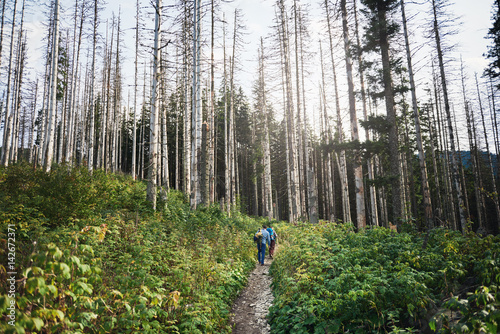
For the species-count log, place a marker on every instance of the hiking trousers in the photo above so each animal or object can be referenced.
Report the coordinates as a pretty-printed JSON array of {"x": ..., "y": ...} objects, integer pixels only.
[{"x": 262, "y": 252}]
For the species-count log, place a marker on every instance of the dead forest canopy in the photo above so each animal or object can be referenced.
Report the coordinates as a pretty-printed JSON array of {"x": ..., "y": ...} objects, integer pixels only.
[{"x": 372, "y": 118}]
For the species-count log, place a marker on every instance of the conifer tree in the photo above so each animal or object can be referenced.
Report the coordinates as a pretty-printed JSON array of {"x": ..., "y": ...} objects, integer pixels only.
[
  {"x": 493, "y": 53},
  {"x": 378, "y": 36}
]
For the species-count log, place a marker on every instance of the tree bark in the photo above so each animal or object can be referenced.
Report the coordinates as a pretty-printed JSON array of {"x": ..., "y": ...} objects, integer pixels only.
[
  {"x": 428, "y": 212},
  {"x": 454, "y": 167},
  {"x": 53, "y": 91},
  {"x": 153, "y": 134},
  {"x": 358, "y": 168}
]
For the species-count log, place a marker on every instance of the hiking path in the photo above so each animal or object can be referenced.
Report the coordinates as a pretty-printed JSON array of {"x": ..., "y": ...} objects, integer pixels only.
[{"x": 250, "y": 309}]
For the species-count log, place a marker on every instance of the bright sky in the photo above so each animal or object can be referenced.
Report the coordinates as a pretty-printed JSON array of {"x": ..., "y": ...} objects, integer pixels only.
[{"x": 259, "y": 16}]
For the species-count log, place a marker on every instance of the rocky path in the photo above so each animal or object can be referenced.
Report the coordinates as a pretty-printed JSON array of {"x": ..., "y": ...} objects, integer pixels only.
[{"x": 251, "y": 307}]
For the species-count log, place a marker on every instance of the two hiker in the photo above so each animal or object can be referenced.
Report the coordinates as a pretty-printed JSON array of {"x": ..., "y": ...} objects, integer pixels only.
[{"x": 265, "y": 236}]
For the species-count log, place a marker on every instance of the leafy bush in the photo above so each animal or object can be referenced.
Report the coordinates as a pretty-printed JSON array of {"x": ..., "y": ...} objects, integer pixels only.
[
  {"x": 330, "y": 279},
  {"x": 92, "y": 257}
]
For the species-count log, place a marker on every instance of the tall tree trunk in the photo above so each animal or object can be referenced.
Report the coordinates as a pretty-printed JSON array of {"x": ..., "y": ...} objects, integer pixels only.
[
  {"x": 289, "y": 116},
  {"x": 343, "y": 164},
  {"x": 454, "y": 166},
  {"x": 211, "y": 118},
  {"x": 53, "y": 91},
  {"x": 490, "y": 163},
  {"x": 369, "y": 162},
  {"x": 428, "y": 212},
  {"x": 74, "y": 80},
  {"x": 493, "y": 117},
  {"x": 473, "y": 153},
  {"x": 227, "y": 161},
  {"x": 6, "y": 147},
  {"x": 391, "y": 114},
  {"x": 309, "y": 171},
  {"x": 16, "y": 99},
  {"x": 92, "y": 107},
  {"x": 358, "y": 168},
  {"x": 187, "y": 108},
  {"x": 196, "y": 119},
  {"x": 1, "y": 32},
  {"x": 165, "y": 172},
  {"x": 300, "y": 157},
  {"x": 267, "y": 185},
  {"x": 32, "y": 152},
  {"x": 134, "y": 119},
  {"x": 153, "y": 133}
]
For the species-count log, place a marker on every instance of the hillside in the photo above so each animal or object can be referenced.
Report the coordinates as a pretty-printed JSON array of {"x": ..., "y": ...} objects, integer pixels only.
[{"x": 92, "y": 257}]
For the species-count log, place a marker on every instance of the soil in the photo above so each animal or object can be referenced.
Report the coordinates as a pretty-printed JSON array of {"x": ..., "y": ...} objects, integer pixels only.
[{"x": 251, "y": 307}]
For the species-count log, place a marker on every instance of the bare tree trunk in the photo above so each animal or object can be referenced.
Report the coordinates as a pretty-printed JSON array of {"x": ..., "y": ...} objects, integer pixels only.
[
  {"x": 428, "y": 212},
  {"x": 300, "y": 156},
  {"x": 267, "y": 185},
  {"x": 77, "y": 38},
  {"x": 1, "y": 32},
  {"x": 391, "y": 114},
  {"x": 6, "y": 147},
  {"x": 197, "y": 112},
  {"x": 32, "y": 149},
  {"x": 369, "y": 162},
  {"x": 227, "y": 160},
  {"x": 16, "y": 100},
  {"x": 309, "y": 171},
  {"x": 165, "y": 172},
  {"x": 90, "y": 159},
  {"x": 117, "y": 105},
  {"x": 473, "y": 153},
  {"x": 153, "y": 134},
  {"x": 358, "y": 168},
  {"x": 343, "y": 164},
  {"x": 433, "y": 149},
  {"x": 211, "y": 117},
  {"x": 454, "y": 166},
  {"x": 177, "y": 142},
  {"x": 493, "y": 117},
  {"x": 490, "y": 163},
  {"x": 134, "y": 129},
  {"x": 53, "y": 91},
  {"x": 289, "y": 116},
  {"x": 187, "y": 108}
]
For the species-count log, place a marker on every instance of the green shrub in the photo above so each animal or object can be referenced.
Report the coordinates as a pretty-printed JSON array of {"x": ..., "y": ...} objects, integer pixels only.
[
  {"x": 103, "y": 262},
  {"x": 328, "y": 278}
]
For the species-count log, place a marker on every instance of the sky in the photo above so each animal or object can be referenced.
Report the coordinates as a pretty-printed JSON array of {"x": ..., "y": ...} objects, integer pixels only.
[{"x": 258, "y": 16}]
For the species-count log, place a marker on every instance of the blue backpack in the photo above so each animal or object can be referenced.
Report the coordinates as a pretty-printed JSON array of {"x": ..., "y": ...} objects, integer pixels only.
[{"x": 271, "y": 233}]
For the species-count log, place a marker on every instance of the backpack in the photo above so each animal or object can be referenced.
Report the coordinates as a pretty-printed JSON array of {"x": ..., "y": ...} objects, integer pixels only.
[
  {"x": 272, "y": 234},
  {"x": 258, "y": 237}
]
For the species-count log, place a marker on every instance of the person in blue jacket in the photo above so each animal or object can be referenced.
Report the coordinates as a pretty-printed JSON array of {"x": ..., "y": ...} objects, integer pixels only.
[
  {"x": 261, "y": 246},
  {"x": 272, "y": 245}
]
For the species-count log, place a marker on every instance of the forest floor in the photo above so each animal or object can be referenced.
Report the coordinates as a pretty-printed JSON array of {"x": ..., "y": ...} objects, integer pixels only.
[{"x": 250, "y": 309}]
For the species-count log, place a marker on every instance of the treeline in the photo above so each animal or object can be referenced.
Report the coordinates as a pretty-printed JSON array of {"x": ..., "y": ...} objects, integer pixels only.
[{"x": 371, "y": 145}]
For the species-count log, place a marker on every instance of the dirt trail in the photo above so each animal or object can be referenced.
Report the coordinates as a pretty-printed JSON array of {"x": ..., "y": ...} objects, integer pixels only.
[{"x": 251, "y": 307}]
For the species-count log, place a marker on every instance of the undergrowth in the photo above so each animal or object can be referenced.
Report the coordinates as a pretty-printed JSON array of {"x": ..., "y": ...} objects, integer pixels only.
[
  {"x": 328, "y": 279},
  {"x": 92, "y": 257}
]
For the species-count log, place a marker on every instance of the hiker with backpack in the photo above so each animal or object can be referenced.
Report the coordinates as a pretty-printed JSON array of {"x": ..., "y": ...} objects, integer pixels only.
[
  {"x": 262, "y": 239},
  {"x": 273, "y": 236}
]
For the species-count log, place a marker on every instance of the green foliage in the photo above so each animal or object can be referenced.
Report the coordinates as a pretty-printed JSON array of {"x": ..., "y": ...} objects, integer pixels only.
[
  {"x": 67, "y": 195},
  {"x": 328, "y": 278},
  {"x": 100, "y": 261}
]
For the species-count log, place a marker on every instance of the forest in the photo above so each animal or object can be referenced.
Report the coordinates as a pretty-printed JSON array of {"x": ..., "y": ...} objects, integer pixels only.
[
  {"x": 381, "y": 146},
  {"x": 140, "y": 151}
]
